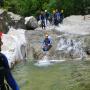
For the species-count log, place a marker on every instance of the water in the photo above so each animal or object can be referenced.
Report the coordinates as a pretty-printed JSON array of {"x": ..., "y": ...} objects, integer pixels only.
[
  {"x": 71, "y": 46},
  {"x": 43, "y": 62},
  {"x": 46, "y": 62},
  {"x": 68, "y": 75}
]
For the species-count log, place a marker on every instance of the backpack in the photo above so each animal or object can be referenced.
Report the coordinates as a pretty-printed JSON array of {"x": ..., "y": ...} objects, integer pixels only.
[{"x": 3, "y": 86}]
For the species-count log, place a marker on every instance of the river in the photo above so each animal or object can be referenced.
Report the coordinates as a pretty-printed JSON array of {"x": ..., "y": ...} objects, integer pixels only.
[{"x": 68, "y": 75}]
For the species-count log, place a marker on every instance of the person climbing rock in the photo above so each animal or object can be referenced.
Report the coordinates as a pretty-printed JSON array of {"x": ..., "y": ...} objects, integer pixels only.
[
  {"x": 46, "y": 43},
  {"x": 5, "y": 73}
]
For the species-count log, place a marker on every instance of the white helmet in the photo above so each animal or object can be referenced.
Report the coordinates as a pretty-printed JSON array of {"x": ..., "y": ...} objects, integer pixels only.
[{"x": 45, "y": 10}]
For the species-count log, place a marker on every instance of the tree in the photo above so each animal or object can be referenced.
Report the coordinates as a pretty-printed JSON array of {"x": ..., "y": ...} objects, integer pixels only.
[{"x": 30, "y": 7}]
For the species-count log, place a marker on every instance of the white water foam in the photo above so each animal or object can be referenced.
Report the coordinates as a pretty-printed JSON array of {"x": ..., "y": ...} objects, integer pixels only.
[
  {"x": 43, "y": 62},
  {"x": 69, "y": 45},
  {"x": 46, "y": 62}
]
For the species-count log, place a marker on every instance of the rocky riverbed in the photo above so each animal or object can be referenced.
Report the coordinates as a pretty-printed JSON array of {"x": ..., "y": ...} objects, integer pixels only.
[
  {"x": 70, "y": 40},
  {"x": 81, "y": 45}
]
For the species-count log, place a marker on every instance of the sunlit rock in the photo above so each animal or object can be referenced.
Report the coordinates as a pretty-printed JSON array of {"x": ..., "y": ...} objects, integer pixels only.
[{"x": 31, "y": 23}]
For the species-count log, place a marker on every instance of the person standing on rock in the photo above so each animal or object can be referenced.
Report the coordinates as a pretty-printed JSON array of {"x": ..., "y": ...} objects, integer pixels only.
[
  {"x": 62, "y": 16},
  {"x": 47, "y": 16},
  {"x": 58, "y": 14},
  {"x": 5, "y": 73},
  {"x": 42, "y": 19},
  {"x": 54, "y": 18}
]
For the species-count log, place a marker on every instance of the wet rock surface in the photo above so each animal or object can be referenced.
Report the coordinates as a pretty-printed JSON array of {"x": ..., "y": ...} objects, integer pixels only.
[
  {"x": 4, "y": 20},
  {"x": 75, "y": 45},
  {"x": 35, "y": 39},
  {"x": 32, "y": 23},
  {"x": 9, "y": 19},
  {"x": 67, "y": 41}
]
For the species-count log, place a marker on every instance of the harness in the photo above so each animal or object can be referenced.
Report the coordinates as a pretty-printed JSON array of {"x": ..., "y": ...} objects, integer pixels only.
[{"x": 3, "y": 86}]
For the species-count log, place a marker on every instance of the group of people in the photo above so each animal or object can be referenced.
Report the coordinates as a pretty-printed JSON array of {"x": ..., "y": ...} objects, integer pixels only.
[{"x": 53, "y": 18}]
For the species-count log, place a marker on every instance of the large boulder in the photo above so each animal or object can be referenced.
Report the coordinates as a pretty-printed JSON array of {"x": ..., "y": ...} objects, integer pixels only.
[
  {"x": 71, "y": 40},
  {"x": 3, "y": 26},
  {"x": 34, "y": 45},
  {"x": 4, "y": 21},
  {"x": 17, "y": 21},
  {"x": 31, "y": 23},
  {"x": 65, "y": 46},
  {"x": 9, "y": 19},
  {"x": 14, "y": 46},
  {"x": 33, "y": 39}
]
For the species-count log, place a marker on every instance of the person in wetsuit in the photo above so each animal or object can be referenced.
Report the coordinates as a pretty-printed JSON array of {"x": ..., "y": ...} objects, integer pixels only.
[{"x": 5, "y": 73}]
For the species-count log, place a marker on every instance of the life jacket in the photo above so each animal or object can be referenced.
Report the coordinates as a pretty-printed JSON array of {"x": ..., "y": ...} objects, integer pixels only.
[
  {"x": 42, "y": 17},
  {"x": 3, "y": 86},
  {"x": 47, "y": 41},
  {"x": 57, "y": 15}
]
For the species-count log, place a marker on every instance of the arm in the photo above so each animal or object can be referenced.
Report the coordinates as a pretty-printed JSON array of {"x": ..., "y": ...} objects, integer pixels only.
[
  {"x": 9, "y": 78},
  {"x": 43, "y": 43},
  {"x": 50, "y": 40},
  {"x": 11, "y": 81}
]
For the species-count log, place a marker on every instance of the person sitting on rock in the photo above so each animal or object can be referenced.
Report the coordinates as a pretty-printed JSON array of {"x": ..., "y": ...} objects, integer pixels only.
[
  {"x": 5, "y": 73},
  {"x": 46, "y": 43}
]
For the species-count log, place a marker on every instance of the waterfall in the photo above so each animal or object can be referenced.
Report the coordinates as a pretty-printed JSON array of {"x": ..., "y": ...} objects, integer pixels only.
[
  {"x": 72, "y": 47},
  {"x": 43, "y": 62}
]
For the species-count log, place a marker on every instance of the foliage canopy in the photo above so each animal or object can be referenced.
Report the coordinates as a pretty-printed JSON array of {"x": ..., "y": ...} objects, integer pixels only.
[{"x": 31, "y": 7}]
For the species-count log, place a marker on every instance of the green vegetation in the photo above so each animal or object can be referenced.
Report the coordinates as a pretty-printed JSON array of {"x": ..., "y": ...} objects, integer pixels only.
[
  {"x": 69, "y": 75},
  {"x": 31, "y": 7}
]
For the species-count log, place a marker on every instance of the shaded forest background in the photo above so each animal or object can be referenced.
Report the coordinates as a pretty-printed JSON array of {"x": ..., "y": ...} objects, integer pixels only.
[{"x": 32, "y": 7}]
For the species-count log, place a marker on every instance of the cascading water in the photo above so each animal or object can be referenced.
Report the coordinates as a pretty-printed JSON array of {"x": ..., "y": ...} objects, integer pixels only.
[
  {"x": 44, "y": 61},
  {"x": 71, "y": 46}
]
